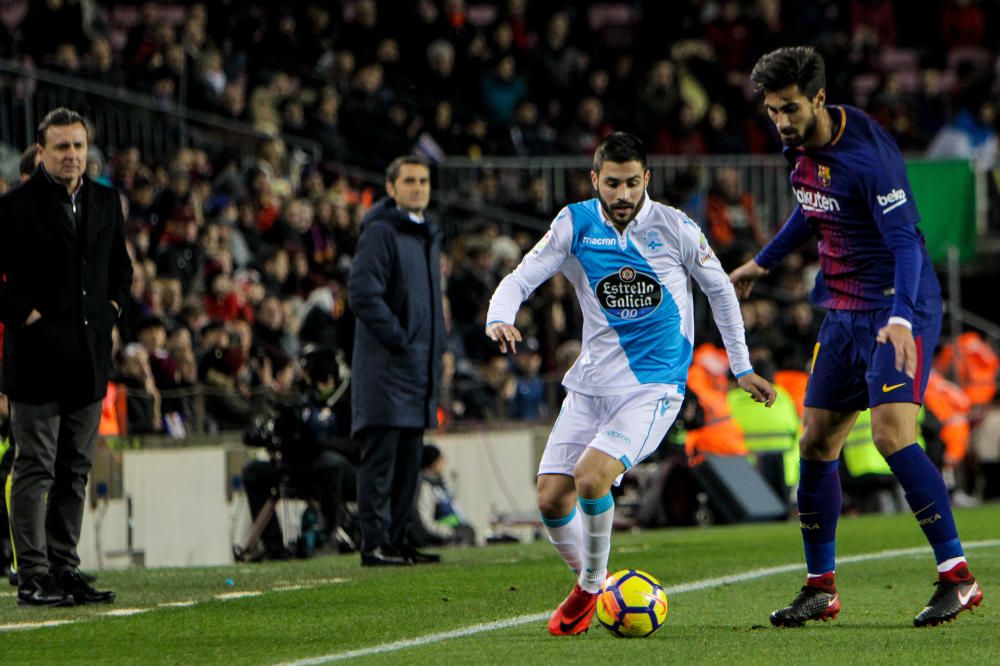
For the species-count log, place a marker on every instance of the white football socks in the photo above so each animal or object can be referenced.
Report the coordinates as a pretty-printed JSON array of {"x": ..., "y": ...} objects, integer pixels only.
[
  {"x": 566, "y": 534},
  {"x": 597, "y": 518}
]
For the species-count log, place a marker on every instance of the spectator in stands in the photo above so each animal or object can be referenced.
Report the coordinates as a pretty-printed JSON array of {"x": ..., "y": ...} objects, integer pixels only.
[
  {"x": 972, "y": 134},
  {"x": 438, "y": 520},
  {"x": 528, "y": 403},
  {"x": 143, "y": 401},
  {"x": 226, "y": 396},
  {"x": 503, "y": 90},
  {"x": 731, "y": 217}
]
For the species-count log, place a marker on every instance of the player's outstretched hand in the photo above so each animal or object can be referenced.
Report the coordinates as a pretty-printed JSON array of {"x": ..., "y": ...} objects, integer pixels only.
[
  {"x": 503, "y": 334},
  {"x": 759, "y": 388},
  {"x": 906, "y": 349},
  {"x": 744, "y": 277}
]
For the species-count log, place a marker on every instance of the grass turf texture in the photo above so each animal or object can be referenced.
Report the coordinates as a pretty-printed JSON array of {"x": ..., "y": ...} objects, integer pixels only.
[{"x": 374, "y": 607}]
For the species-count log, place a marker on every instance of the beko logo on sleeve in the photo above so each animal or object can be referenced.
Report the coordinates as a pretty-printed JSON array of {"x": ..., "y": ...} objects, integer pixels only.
[{"x": 891, "y": 200}]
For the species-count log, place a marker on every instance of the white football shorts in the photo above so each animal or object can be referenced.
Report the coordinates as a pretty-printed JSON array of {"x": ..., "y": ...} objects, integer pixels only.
[{"x": 627, "y": 427}]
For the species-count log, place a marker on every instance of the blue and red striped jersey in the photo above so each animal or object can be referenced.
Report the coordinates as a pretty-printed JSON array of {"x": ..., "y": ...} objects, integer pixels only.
[{"x": 853, "y": 193}]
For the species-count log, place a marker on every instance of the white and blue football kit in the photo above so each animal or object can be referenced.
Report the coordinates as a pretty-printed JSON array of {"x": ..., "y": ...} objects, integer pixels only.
[{"x": 634, "y": 289}]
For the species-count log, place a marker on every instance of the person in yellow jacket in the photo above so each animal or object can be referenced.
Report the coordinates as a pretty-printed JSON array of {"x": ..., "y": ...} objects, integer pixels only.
[{"x": 770, "y": 433}]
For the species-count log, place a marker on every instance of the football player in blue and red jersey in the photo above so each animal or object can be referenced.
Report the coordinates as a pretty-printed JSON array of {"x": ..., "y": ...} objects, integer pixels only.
[{"x": 883, "y": 319}]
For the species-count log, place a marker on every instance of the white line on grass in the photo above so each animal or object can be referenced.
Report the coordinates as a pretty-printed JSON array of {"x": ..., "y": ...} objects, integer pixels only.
[
  {"x": 227, "y": 596},
  {"x": 122, "y": 612},
  {"x": 125, "y": 612},
  {"x": 21, "y": 626},
  {"x": 753, "y": 574}
]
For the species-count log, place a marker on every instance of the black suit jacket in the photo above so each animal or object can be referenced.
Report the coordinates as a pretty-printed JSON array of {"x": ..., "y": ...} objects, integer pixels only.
[{"x": 70, "y": 272}]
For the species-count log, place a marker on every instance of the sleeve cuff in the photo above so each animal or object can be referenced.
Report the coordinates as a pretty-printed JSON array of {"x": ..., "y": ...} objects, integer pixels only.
[
  {"x": 901, "y": 322},
  {"x": 745, "y": 372}
]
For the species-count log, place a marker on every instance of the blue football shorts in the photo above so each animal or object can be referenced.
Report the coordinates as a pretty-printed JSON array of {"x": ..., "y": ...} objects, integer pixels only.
[{"x": 852, "y": 372}]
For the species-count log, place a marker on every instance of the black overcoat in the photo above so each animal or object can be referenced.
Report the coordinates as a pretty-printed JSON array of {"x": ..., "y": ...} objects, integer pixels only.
[
  {"x": 70, "y": 272},
  {"x": 394, "y": 291}
]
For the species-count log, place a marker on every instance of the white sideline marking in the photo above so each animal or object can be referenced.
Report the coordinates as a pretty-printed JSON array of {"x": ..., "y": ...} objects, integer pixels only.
[
  {"x": 753, "y": 574},
  {"x": 226, "y": 596},
  {"x": 125, "y": 612},
  {"x": 122, "y": 612},
  {"x": 21, "y": 626}
]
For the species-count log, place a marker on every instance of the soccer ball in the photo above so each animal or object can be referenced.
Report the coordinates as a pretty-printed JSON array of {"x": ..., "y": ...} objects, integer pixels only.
[{"x": 631, "y": 604}]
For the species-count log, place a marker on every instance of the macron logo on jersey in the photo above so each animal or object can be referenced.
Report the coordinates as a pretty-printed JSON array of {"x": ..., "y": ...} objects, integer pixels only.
[
  {"x": 894, "y": 199},
  {"x": 815, "y": 202},
  {"x": 599, "y": 242}
]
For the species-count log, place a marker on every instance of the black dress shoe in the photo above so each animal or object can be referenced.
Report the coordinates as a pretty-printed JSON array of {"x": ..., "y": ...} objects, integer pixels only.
[
  {"x": 43, "y": 590},
  {"x": 76, "y": 585},
  {"x": 383, "y": 557},
  {"x": 416, "y": 557}
]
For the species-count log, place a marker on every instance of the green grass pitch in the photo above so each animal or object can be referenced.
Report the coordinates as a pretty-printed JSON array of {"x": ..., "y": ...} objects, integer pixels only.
[{"x": 329, "y": 608}]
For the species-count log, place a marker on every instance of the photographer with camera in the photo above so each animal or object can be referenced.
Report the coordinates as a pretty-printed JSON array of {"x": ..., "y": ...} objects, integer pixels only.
[{"x": 311, "y": 456}]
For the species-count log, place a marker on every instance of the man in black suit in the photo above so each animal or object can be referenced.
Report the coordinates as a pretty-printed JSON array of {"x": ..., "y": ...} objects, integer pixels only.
[
  {"x": 395, "y": 292},
  {"x": 65, "y": 273}
]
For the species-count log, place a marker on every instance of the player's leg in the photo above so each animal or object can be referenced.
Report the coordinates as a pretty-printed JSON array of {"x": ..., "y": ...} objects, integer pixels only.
[
  {"x": 557, "y": 503},
  {"x": 595, "y": 473},
  {"x": 895, "y": 399},
  {"x": 560, "y": 518},
  {"x": 634, "y": 425},
  {"x": 819, "y": 503},
  {"x": 631, "y": 427},
  {"x": 894, "y": 433},
  {"x": 834, "y": 395},
  {"x": 556, "y": 488}
]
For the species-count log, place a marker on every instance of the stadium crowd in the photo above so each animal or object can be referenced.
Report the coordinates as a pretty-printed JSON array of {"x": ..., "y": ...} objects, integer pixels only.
[{"x": 240, "y": 262}]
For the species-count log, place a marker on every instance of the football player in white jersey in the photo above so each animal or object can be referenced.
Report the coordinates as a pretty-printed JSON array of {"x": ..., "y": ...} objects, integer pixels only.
[{"x": 629, "y": 260}]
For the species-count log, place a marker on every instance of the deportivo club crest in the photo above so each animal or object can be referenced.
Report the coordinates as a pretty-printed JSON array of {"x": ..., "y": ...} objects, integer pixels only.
[
  {"x": 823, "y": 174},
  {"x": 653, "y": 242},
  {"x": 628, "y": 294}
]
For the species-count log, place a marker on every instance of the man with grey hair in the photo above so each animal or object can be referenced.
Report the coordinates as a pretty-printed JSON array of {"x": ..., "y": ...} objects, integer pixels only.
[{"x": 65, "y": 272}]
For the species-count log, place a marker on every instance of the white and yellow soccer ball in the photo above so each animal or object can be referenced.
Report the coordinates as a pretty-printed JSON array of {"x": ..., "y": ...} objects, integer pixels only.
[{"x": 632, "y": 604}]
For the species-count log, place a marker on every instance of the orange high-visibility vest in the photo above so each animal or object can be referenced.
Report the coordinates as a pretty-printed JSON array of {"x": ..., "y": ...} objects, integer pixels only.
[
  {"x": 794, "y": 381},
  {"x": 721, "y": 434},
  {"x": 113, "y": 412},
  {"x": 716, "y": 362},
  {"x": 949, "y": 405},
  {"x": 975, "y": 365}
]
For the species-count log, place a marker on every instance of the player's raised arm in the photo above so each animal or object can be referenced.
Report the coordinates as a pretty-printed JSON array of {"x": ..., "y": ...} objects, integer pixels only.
[
  {"x": 789, "y": 238},
  {"x": 536, "y": 267}
]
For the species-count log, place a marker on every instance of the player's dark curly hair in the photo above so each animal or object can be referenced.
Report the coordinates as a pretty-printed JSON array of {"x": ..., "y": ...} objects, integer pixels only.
[
  {"x": 619, "y": 147},
  {"x": 791, "y": 65}
]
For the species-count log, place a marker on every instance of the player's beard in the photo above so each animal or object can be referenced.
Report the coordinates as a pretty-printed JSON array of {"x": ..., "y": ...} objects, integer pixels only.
[
  {"x": 609, "y": 209},
  {"x": 793, "y": 140}
]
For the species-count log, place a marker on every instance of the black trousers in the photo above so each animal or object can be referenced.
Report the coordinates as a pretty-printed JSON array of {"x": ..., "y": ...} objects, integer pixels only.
[
  {"x": 387, "y": 484},
  {"x": 54, "y": 450},
  {"x": 330, "y": 479}
]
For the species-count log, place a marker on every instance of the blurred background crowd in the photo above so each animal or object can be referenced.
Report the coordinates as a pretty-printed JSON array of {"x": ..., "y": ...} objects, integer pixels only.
[{"x": 241, "y": 259}]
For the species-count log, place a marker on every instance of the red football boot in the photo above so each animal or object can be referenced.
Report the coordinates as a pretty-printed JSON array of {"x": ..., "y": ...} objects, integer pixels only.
[{"x": 574, "y": 613}]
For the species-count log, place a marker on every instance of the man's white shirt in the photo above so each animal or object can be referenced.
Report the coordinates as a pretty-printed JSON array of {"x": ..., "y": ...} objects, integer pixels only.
[{"x": 635, "y": 294}]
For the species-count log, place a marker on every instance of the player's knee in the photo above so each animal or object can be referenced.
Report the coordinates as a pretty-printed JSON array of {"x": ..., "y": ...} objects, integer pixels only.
[
  {"x": 888, "y": 438},
  {"x": 591, "y": 484},
  {"x": 815, "y": 445},
  {"x": 554, "y": 502}
]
